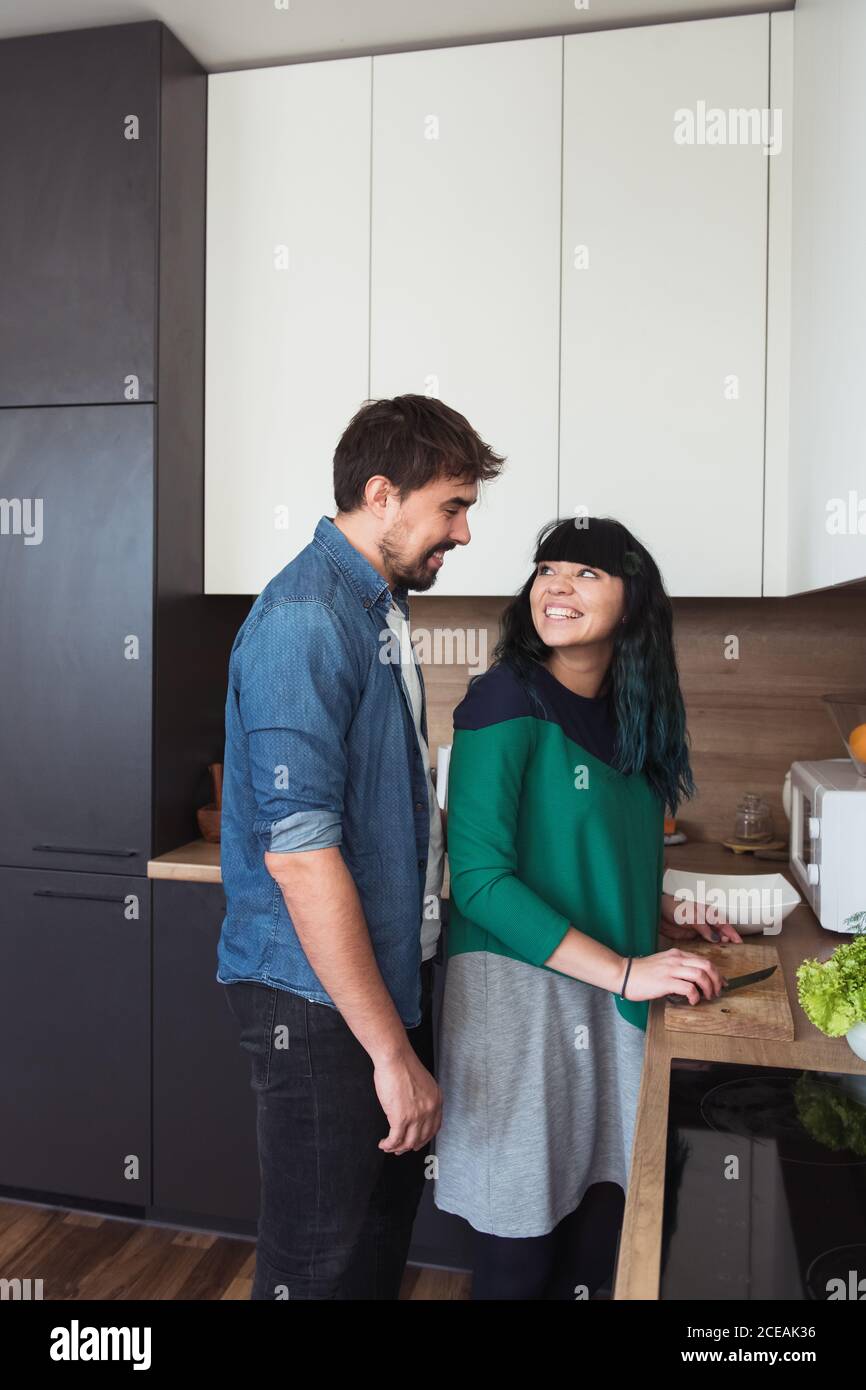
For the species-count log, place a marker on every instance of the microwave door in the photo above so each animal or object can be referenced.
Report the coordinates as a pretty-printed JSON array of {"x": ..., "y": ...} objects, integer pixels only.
[{"x": 805, "y": 829}]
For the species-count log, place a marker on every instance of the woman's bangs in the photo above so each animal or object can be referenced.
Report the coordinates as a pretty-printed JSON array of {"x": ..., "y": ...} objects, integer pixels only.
[{"x": 596, "y": 541}]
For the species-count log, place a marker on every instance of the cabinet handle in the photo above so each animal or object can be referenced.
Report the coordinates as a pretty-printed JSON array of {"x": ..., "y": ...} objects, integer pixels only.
[
  {"x": 74, "y": 849},
  {"x": 84, "y": 897}
]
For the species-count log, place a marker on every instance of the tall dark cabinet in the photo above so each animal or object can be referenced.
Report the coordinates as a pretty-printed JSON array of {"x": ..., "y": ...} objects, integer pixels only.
[
  {"x": 80, "y": 160},
  {"x": 112, "y": 663},
  {"x": 76, "y": 639}
]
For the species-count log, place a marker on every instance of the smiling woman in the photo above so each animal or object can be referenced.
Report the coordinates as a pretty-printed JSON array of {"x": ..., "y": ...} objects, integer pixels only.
[
  {"x": 617, "y": 630},
  {"x": 564, "y": 756},
  {"x": 587, "y": 600}
]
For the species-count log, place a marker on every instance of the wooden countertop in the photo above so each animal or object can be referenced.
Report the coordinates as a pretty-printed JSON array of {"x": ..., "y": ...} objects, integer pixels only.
[
  {"x": 638, "y": 1266},
  {"x": 196, "y": 862}
]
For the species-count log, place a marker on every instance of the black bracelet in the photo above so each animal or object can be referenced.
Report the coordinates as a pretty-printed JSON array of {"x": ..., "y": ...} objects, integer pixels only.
[{"x": 625, "y": 981}]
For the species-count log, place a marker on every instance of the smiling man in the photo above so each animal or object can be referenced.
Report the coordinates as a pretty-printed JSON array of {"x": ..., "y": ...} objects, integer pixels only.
[{"x": 332, "y": 846}]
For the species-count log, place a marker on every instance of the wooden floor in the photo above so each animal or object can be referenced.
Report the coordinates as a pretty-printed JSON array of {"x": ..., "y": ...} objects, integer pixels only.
[{"x": 77, "y": 1256}]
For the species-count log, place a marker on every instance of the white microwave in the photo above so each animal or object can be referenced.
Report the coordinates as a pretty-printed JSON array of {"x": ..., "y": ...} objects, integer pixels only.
[{"x": 828, "y": 840}]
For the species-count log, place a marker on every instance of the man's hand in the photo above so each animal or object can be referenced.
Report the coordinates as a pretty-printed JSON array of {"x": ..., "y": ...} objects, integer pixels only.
[{"x": 411, "y": 1100}]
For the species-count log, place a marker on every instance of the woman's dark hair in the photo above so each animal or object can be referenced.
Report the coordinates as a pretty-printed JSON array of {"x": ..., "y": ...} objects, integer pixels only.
[
  {"x": 412, "y": 440},
  {"x": 643, "y": 679}
]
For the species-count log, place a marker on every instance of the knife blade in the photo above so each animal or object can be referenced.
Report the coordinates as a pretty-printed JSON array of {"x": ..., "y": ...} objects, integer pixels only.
[{"x": 736, "y": 983}]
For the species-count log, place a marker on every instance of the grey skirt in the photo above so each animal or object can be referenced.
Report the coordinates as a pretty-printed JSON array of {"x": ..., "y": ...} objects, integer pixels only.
[{"x": 540, "y": 1076}]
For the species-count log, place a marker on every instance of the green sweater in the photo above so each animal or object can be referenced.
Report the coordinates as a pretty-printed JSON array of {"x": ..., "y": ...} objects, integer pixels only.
[{"x": 543, "y": 833}]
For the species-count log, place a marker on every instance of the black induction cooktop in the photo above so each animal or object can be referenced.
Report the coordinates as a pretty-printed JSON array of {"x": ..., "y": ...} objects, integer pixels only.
[{"x": 765, "y": 1184}]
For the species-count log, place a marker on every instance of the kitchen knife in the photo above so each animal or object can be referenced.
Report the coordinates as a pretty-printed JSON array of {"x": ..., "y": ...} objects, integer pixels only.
[{"x": 736, "y": 983}]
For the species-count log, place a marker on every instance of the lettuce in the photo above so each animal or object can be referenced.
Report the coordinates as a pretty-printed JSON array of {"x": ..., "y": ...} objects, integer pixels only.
[{"x": 832, "y": 993}]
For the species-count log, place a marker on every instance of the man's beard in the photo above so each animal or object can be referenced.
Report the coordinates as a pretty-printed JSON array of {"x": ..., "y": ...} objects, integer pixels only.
[{"x": 404, "y": 576}]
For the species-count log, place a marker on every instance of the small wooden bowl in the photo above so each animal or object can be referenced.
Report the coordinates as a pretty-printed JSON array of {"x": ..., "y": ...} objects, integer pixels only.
[
  {"x": 209, "y": 823},
  {"x": 209, "y": 816}
]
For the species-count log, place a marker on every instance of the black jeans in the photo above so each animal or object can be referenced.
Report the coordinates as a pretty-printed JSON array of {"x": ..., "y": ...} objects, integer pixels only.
[{"x": 336, "y": 1213}]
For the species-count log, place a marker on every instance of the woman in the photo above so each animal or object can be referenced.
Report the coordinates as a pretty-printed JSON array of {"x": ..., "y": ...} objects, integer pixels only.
[{"x": 565, "y": 754}]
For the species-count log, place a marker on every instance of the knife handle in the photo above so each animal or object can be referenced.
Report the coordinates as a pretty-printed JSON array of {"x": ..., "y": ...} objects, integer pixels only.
[{"x": 681, "y": 998}]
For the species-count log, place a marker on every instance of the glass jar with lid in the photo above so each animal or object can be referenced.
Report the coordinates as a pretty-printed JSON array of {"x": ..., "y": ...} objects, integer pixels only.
[{"x": 753, "y": 820}]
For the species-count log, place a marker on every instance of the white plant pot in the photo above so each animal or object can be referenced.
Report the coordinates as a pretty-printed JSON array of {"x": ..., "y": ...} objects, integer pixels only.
[{"x": 857, "y": 1039}]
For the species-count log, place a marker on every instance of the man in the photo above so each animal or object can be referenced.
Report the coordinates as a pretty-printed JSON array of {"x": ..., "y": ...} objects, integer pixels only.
[{"x": 332, "y": 851}]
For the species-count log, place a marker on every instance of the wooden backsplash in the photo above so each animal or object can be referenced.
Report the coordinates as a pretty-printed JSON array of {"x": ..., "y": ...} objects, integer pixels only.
[{"x": 749, "y": 718}]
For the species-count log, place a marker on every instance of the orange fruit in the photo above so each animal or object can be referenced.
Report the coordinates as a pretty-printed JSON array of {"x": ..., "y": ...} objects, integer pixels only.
[{"x": 857, "y": 742}]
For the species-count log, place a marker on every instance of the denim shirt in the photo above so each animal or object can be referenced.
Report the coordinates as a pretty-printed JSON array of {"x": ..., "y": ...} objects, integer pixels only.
[{"x": 321, "y": 750}]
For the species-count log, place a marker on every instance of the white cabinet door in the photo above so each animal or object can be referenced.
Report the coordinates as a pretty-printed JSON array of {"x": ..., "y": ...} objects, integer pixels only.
[
  {"x": 664, "y": 292},
  {"x": 828, "y": 320},
  {"x": 287, "y": 306},
  {"x": 464, "y": 280}
]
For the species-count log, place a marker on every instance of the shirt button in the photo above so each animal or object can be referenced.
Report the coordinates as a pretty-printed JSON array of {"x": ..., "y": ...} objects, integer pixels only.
[{"x": 419, "y": 805}]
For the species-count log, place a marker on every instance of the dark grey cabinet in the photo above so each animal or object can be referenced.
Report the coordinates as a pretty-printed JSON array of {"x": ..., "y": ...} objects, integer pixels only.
[
  {"x": 74, "y": 1035},
  {"x": 205, "y": 1160},
  {"x": 76, "y": 578},
  {"x": 79, "y": 167}
]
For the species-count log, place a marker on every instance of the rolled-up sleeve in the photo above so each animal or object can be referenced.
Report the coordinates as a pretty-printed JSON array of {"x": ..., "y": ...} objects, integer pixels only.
[{"x": 297, "y": 698}]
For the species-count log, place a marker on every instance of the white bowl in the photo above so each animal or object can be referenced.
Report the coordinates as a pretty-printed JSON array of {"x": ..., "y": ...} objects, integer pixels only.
[{"x": 753, "y": 903}]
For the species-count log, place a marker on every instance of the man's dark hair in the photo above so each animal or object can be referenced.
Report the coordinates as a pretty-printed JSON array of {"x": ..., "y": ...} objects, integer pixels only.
[{"x": 412, "y": 440}]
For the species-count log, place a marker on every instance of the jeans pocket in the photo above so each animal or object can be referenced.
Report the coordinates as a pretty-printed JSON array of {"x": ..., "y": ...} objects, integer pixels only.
[
  {"x": 290, "y": 1043},
  {"x": 254, "y": 1007}
]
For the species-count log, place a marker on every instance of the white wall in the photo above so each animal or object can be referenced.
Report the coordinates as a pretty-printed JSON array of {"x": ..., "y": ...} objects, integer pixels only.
[{"x": 828, "y": 323}]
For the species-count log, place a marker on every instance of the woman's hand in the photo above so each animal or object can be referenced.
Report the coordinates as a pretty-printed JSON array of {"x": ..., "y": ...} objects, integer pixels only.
[
  {"x": 674, "y": 972},
  {"x": 682, "y": 920}
]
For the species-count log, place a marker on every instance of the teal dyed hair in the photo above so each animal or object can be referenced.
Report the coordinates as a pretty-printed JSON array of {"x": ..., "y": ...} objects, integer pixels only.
[{"x": 643, "y": 677}]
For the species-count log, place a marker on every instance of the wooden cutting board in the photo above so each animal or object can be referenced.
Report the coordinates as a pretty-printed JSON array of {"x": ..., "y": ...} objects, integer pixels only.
[{"x": 757, "y": 1011}]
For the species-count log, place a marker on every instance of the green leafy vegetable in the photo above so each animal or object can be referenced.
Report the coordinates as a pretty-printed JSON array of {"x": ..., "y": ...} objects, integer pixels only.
[{"x": 833, "y": 992}]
